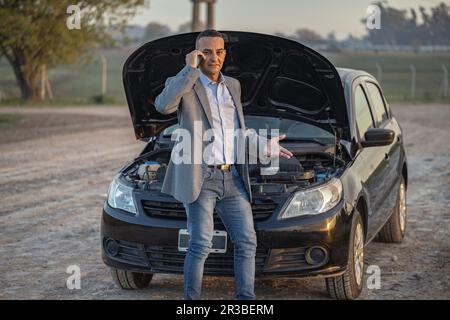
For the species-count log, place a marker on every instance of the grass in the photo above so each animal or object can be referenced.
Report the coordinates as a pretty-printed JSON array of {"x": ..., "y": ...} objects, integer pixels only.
[
  {"x": 7, "y": 120},
  {"x": 396, "y": 73},
  {"x": 79, "y": 84}
]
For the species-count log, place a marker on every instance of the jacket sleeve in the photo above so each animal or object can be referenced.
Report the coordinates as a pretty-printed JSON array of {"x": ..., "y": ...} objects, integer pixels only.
[{"x": 175, "y": 87}]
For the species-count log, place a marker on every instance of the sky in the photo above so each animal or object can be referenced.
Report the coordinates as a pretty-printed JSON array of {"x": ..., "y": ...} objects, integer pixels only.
[{"x": 270, "y": 16}]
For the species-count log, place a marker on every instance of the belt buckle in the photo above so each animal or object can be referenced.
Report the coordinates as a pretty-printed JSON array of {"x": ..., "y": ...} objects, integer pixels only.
[{"x": 224, "y": 167}]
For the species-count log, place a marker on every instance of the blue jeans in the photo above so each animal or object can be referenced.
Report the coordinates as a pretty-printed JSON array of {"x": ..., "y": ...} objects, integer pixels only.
[{"x": 225, "y": 191}]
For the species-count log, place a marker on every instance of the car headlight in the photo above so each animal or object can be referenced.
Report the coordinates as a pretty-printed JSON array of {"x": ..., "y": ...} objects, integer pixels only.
[
  {"x": 121, "y": 197},
  {"x": 314, "y": 201}
]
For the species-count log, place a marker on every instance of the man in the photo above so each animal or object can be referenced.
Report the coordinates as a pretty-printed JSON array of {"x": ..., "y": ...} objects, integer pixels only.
[{"x": 200, "y": 93}]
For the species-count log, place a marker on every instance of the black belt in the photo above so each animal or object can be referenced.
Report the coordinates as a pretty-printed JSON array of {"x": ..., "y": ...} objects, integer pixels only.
[{"x": 223, "y": 167}]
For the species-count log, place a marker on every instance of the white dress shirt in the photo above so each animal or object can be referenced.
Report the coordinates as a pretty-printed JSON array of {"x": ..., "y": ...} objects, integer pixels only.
[{"x": 225, "y": 121}]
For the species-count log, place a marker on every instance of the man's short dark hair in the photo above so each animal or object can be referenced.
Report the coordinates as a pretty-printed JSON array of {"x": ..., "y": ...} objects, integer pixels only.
[{"x": 209, "y": 33}]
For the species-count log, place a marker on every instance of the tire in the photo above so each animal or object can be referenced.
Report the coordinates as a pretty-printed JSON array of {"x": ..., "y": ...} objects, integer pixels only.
[
  {"x": 394, "y": 229},
  {"x": 349, "y": 285},
  {"x": 129, "y": 280}
]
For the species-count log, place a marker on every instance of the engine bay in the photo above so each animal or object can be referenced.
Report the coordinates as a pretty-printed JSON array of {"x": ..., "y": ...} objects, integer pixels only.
[{"x": 302, "y": 170}]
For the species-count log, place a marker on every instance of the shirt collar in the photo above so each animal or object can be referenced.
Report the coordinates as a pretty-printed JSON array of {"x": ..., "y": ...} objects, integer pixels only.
[{"x": 207, "y": 81}]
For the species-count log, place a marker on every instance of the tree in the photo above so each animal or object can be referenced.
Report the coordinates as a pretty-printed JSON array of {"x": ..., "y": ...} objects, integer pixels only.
[
  {"x": 187, "y": 27},
  {"x": 436, "y": 26},
  {"x": 401, "y": 27},
  {"x": 394, "y": 22},
  {"x": 308, "y": 36},
  {"x": 155, "y": 30},
  {"x": 35, "y": 33}
]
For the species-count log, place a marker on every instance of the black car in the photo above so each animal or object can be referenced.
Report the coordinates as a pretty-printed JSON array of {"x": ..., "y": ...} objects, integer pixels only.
[{"x": 345, "y": 186}]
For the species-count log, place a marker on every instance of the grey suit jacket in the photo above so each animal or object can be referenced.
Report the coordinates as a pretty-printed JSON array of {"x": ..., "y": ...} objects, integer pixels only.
[{"x": 185, "y": 95}]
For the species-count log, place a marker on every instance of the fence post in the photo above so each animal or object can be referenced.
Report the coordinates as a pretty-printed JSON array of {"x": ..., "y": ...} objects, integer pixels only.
[
  {"x": 444, "y": 85},
  {"x": 413, "y": 81},
  {"x": 104, "y": 74},
  {"x": 379, "y": 72},
  {"x": 43, "y": 76},
  {"x": 48, "y": 87}
]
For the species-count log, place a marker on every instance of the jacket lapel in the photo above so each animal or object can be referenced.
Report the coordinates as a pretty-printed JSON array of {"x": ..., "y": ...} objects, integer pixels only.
[{"x": 201, "y": 94}]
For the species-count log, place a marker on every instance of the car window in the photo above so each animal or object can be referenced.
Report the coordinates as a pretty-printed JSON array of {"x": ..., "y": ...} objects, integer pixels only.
[
  {"x": 364, "y": 118},
  {"x": 378, "y": 103}
]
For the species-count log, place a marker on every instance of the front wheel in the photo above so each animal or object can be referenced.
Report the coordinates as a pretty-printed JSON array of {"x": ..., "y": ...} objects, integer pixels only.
[
  {"x": 349, "y": 285},
  {"x": 129, "y": 280}
]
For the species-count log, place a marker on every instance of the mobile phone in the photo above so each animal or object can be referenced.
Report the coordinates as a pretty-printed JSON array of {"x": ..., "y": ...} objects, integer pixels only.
[{"x": 199, "y": 60}]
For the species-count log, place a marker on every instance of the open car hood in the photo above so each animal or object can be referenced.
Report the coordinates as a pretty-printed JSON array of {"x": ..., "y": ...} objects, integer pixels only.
[{"x": 279, "y": 77}]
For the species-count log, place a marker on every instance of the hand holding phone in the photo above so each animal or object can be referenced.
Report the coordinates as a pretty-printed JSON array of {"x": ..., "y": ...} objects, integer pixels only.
[{"x": 194, "y": 58}]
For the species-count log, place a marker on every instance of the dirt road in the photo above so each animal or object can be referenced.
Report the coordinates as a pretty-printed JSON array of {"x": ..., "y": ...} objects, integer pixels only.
[{"x": 55, "y": 168}]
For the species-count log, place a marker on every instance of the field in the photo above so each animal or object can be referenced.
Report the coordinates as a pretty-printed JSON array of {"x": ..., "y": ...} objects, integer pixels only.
[{"x": 80, "y": 82}]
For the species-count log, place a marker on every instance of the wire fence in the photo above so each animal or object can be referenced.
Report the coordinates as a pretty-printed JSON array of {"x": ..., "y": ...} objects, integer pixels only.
[
  {"x": 413, "y": 82},
  {"x": 407, "y": 77}
]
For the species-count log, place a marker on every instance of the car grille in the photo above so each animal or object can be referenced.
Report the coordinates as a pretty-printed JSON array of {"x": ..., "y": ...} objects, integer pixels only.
[
  {"x": 175, "y": 210},
  {"x": 170, "y": 260}
]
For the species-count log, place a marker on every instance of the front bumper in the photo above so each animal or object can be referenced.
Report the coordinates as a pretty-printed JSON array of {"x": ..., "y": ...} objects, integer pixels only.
[{"x": 149, "y": 244}]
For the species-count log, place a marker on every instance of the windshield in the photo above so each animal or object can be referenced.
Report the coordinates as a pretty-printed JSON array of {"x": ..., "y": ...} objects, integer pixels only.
[{"x": 292, "y": 128}]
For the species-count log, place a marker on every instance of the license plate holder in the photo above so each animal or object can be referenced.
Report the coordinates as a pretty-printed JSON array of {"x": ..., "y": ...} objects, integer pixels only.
[{"x": 219, "y": 241}]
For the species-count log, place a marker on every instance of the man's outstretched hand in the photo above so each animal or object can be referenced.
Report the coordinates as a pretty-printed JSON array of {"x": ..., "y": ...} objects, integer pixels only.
[{"x": 273, "y": 146}]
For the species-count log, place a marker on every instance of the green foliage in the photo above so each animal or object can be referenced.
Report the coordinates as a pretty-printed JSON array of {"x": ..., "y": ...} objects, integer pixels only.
[
  {"x": 8, "y": 119},
  {"x": 35, "y": 33},
  {"x": 102, "y": 99}
]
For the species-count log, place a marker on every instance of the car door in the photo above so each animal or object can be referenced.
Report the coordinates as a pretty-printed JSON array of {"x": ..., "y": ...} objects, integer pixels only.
[
  {"x": 391, "y": 167},
  {"x": 370, "y": 162}
]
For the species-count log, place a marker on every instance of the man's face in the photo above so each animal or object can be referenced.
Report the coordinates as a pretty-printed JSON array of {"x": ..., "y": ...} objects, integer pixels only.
[{"x": 214, "y": 50}]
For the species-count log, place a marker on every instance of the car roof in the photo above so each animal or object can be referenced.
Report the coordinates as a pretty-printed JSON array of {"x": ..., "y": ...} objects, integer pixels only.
[{"x": 348, "y": 75}]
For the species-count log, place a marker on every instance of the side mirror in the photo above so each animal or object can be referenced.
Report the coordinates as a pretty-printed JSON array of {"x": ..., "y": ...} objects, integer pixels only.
[{"x": 376, "y": 137}]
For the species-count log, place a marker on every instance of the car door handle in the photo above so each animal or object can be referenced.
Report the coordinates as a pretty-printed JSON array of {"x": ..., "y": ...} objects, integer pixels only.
[{"x": 386, "y": 157}]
